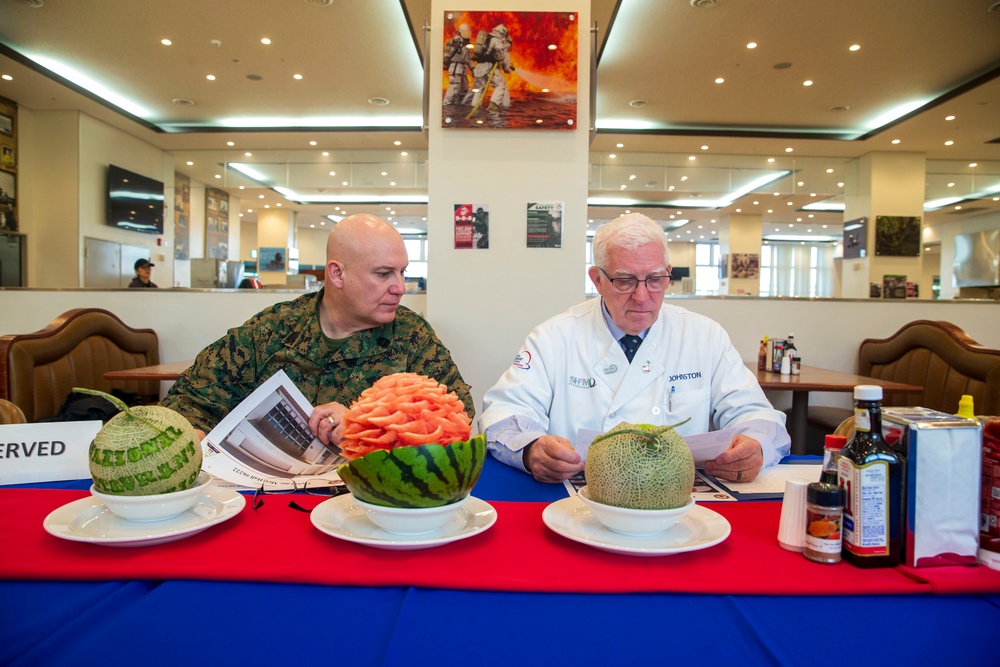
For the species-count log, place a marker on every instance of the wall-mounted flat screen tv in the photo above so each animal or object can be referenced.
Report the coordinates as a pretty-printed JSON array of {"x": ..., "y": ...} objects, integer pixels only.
[{"x": 135, "y": 202}]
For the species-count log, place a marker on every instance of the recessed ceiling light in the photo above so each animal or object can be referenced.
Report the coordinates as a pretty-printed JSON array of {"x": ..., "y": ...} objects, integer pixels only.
[
  {"x": 720, "y": 80},
  {"x": 807, "y": 82},
  {"x": 973, "y": 164},
  {"x": 782, "y": 65},
  {"x": 7, "y": 77},
  {"x": 297, "y": 77},
  {"x": 333, "y": 173},
  {"x": 949, "y": 118},
  {"x": 552, "y": 47},
  {"x": 951, "y": 185},
  {"x": 403, "y": 153},
  {"x": 620, "y": 145},
  {"x": 183, "y": 101},
  {"x": 789, "y": 149},
  {"x": 752, "y": 45},
  {"x": 248, "y": 154},
  {"x": 189, "y": 163},
  {"x": 325, "y": 153},
  {"x": 230, "y": 143},
  {"x": 637, "y": 103},
  {"x": 166, "y": 42},
  {"x": 385, "y": 173},
  {"x": 265, "y": 40},
  {"x": 378, "y": 101},
  {"x": 210, "y": 77},
  {"x": 949, "y": 142},
  {"x": 612, "y": 156},
  {"x": 854, "y": 47},
  {"x": 397, "y": 143},
  {"x": 829, "y": 171},
  {"x": 895, "y": 141},
  {"x": 312, "y": 143},
  {"x": 704, "y": 148},
  {"x": 691, "y": 157},
  {"x": 218, "y": 175}
]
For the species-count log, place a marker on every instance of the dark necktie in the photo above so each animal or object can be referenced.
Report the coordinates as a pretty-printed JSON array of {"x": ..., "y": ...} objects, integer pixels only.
[{"x": 630, "y": 344}]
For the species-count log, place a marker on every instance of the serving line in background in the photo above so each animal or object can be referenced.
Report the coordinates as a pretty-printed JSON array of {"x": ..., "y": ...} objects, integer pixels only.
[
  {"x": 162, "y": 372},
  {"x": 810, "y": 379}
]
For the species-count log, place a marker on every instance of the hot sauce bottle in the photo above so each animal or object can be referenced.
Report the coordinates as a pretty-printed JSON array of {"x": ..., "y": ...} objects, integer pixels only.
[{"x": 872, "y": 476}]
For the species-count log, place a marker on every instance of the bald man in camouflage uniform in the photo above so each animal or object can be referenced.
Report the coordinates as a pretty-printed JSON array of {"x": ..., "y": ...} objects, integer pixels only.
[{"x": 333, "y": 344}]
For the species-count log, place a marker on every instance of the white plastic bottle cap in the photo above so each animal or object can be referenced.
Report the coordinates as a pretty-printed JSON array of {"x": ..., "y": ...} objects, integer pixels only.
[{"x": 867, "y": 392}]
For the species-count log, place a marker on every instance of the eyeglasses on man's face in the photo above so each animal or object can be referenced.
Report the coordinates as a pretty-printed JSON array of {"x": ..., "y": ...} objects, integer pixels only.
[{"x": 631, "y": 283}]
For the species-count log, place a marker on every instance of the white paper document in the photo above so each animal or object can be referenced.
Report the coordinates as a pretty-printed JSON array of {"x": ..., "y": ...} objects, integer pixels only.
[{"x": 266, "y": 441}]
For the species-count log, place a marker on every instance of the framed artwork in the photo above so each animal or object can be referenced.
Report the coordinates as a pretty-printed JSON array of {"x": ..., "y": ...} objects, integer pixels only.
[
  {"x": 272, "y": 259},
  {"x": 510, "y": 70},
  {"x": 8, "y": 156},
  {"x": 897, "y": 236},
  {"x": 856, "y": 238},
  {"x": 745, "y": 265},
  {"x": 216, "y": 223},
  {"x": 182, "y": 216},
  {"x": 8, "y": 202},
  {"x": 6, "y": 125}
]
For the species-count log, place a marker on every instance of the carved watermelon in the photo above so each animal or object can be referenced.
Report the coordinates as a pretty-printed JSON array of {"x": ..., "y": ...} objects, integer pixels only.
[
  {"x": 640, "y": 467},
  {"x": 143, "y": 451},
  {"x": 418, "y": 475}
]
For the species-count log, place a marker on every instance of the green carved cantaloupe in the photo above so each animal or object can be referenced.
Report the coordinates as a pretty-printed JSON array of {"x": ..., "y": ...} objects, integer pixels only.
[
  {"x": 144, "y": 450},
  {"x": 640, "y": 467}
]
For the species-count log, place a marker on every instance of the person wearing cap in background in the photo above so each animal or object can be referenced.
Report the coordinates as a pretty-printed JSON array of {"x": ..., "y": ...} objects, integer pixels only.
[{"x": 143, "y": 271}]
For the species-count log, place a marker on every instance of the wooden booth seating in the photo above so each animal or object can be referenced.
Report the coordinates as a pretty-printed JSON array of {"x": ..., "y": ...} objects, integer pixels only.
[
  {"x": 937, "y": 356},
  {"x": 39, "y": 370}
]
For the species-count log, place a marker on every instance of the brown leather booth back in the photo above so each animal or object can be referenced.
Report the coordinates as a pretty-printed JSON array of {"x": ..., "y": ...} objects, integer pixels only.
[
  {"x": 942, "y": 359},
  {"x": 39, "y": 370}
]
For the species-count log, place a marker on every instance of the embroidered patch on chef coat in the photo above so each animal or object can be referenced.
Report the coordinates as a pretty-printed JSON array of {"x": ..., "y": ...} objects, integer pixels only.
[
  {"x": 523, "y": 360},
  {"x": 586, "y": 383}
]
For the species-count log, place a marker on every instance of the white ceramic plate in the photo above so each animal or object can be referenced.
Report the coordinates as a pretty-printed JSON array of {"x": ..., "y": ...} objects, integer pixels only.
[
  {"x": 699, "y": 528},
  {"x": 88, "y": 520},
  {"x": 342, "y": 518}
]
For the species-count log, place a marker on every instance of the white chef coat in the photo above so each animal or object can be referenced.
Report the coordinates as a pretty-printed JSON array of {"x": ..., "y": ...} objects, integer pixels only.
[{"x": 572, "y": 379}]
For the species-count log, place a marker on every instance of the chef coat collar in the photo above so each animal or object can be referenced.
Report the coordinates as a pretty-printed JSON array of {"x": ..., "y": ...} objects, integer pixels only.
[{"x": 615, "y": 331}]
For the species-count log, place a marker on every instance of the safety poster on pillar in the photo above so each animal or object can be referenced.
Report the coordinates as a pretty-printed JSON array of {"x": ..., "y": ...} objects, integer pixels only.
[
  {"x": 510, "y": 70},
  {"x": 472, "y": 226},
  {"x": 544, "y": 222}
]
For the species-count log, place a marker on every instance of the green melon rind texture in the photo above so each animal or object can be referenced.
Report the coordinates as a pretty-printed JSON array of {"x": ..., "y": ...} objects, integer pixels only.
[
  {"x": 416, "y": 476},
  {"x": 128, "y": 457},
  {"x": 628, "y": 470}
]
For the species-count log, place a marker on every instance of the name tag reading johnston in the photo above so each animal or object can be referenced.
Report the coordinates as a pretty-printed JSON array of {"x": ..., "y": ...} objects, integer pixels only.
[{"x": 45, "y": 452}]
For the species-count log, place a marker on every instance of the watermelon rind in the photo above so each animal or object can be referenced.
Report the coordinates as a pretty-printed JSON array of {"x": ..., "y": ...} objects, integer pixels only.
[{"x": 416, "y": 476}]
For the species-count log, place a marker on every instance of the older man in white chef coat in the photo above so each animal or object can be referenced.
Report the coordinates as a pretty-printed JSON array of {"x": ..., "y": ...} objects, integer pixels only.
[{"x": 628, "y": 357}]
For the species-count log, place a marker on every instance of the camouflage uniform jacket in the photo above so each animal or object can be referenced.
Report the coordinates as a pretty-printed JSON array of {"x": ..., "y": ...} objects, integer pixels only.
[{"x": 287, "y": 336}]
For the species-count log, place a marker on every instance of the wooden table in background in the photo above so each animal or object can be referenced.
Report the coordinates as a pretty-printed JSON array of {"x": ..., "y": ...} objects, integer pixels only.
[
  {"x": 816, "y": 379},
  {"x": 165, "y": 372}
]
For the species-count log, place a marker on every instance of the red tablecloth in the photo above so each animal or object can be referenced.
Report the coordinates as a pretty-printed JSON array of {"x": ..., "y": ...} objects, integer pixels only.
[{"x": 519, "y": 553}]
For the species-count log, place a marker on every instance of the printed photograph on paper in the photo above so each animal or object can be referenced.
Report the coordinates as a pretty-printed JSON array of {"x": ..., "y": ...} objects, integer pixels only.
[
  {"x": 513, "y": 70},
  {"x": 266, "y": 439}
]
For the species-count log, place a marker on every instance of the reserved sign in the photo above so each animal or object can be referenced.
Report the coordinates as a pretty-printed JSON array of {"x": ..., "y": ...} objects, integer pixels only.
[{"x": 45, "y": 452}]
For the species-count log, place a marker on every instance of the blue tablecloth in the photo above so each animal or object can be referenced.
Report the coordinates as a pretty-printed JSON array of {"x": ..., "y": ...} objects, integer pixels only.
[{"x": 221, "y": 623}]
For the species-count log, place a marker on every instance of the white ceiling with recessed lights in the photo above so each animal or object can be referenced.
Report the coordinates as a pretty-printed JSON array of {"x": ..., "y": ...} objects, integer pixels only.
[{"x": 703, "y": 108}]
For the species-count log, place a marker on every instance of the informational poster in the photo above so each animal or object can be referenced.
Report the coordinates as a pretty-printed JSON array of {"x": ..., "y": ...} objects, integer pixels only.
[
  {"x": 893, "y": 287},
  {"x": 545, "y": 220},
  {"x": 472, "y": 226}
]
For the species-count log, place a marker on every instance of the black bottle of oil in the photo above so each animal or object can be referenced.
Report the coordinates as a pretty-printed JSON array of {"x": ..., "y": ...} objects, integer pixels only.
[{"x": 872, "y": 476}]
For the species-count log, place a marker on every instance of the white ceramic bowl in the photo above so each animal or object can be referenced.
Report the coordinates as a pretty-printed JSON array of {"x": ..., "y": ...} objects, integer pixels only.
[
  {"x": 410, "y": 520},
  {"x": 634, "y": 522},
  {"x": 158, "y": 507}
]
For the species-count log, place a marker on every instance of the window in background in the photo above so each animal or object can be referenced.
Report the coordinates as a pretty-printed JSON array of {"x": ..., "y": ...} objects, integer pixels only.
[
  {"x": 416, "y": 251},
  {"x": 796, "y": 269},
  {"x": 706, "y": 272}
]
